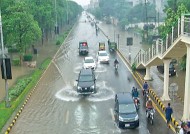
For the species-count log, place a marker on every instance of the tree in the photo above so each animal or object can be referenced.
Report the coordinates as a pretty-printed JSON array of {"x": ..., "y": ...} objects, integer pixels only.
[{"x": 20, "y": 26}]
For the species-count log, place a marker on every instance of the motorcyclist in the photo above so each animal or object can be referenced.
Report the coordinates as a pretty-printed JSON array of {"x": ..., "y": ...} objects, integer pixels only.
[
  {"x": 135, "y": 94},
  {"x": 145, "y": 87},
  {"x": 149, "y": 106},
  {"x": 116, "y": 62}
]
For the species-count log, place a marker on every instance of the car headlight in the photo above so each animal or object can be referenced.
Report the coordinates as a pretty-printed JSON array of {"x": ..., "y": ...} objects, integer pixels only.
[
  {"x": 92, "y": 87},
  {"x": 137, "y": 117},
  {"x": 79, "y": 88},
  {"x": 120, "y": 118}
]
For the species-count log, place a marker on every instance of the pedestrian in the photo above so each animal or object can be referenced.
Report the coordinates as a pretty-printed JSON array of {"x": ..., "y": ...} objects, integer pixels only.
[{"x": 168, "y": 112}]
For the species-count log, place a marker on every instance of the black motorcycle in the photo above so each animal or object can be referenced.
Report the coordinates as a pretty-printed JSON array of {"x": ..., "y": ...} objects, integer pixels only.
[{"x": 150, "y": 115}]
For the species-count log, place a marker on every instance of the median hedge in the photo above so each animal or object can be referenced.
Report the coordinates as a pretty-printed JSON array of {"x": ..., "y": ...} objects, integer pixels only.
[{"x": 19, "y": 92}]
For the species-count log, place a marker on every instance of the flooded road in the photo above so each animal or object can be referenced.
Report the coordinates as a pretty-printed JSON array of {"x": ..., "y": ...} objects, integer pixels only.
[{"x": 56, "y": 108}]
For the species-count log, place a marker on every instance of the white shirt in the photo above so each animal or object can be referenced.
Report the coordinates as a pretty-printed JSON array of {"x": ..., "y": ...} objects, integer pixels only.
[{"x": 181, "y": 131}]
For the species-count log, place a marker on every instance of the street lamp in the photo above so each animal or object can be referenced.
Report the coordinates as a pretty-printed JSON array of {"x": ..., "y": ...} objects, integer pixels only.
[
  {"x": 7, "y": 104},
  {"x": 67, "y": 12},
  {"x": 56, "y": 25}
]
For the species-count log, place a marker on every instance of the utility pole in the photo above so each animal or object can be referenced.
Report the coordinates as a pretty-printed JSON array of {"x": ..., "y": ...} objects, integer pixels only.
[
  {"x": 56, "y": 24},
  {"x": 146, "y": 21},
  {"x": 67, "y": 12},
  {"x": 7, "y": 104}
]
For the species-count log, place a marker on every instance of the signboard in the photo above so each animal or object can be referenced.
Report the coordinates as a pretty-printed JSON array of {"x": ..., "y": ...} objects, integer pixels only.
[{"x": 129, "y": 41}]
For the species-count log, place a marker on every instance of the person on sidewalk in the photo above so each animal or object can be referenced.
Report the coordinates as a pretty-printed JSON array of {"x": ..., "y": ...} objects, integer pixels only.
[{"x": 168, "y": 112}]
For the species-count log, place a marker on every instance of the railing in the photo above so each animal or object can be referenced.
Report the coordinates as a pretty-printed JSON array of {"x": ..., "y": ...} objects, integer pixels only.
[{"x": 180, "y": 28}]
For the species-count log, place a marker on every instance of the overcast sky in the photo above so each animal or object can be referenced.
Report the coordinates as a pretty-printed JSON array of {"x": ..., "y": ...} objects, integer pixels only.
[{"x": 82, "y": 2}]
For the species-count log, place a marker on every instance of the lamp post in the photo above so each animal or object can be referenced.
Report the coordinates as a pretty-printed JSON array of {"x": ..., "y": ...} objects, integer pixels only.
[
  {"x": 67, "y": 12},
  {"x": 7, "y": 104},
  {"x": 56, "y": 25}
]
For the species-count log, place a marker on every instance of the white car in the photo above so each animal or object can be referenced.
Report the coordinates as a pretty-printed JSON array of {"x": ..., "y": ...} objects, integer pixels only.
[
  {"x": 103, "y": 57},
  {"x": 89, "y": 62}
]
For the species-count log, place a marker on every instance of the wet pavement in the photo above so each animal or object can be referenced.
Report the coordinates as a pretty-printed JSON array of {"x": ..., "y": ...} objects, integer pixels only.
[
  {"x": 156, "y": 84},
  {"x": 55, "y": 106}
]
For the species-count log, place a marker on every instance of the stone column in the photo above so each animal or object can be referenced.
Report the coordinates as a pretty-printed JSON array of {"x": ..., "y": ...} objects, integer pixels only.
[
  {"x": 147, "y": 76},
  {"x": 186, "y": 109},
  {"x": 165, "y": 96}
]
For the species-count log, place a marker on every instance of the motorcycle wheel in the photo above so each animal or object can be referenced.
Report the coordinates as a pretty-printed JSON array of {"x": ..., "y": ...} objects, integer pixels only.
[{"x": 151, "y": 121}]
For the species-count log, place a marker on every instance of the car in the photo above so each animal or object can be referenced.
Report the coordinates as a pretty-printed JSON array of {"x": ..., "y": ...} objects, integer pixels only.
[
  {"x": 86, "y": 82},
  {"x": 103, "y": 57},
  {"x": 83, "y": 47},
  {"x": 89, "y": 62},
  {"x": 172, "y": 71},
  {"x": 126, "y": 115}
]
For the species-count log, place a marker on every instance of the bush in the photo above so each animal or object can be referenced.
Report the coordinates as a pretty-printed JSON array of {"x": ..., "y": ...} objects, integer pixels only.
[
  {"x": 133, "y": 67},
  {"x": 16, "y": 62},
  {"x": 27, "y": 57},
  {"x": 58, "y": 42},
  {"x": 16, "y": 90}
]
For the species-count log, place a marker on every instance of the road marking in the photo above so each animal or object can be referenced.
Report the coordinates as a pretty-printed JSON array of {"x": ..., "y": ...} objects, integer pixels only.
[
  {"x": 67, "y": 117},
  {"x": 155, "y": 106},
  {"x": 112, "y": 114}
]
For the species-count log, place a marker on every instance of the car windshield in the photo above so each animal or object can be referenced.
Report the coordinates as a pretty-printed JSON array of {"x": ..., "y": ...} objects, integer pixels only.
[
  {"x": 127, "y": 108},
  {"x": 89, "y": 61},
  {"x": 102, "y": 54},
  {"x": 85, "y": 78},
  {"x": 84, "y": 47}
]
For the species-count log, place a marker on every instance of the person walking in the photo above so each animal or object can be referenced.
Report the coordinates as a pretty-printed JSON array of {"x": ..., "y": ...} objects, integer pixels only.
[{"x": 168, "y": 112}]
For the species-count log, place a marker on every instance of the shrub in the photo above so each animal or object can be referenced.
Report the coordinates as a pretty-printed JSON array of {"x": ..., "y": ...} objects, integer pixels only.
[
  {"x": 16, "y": 62},
  {"x": 133, "y": 67},
  {"x": 16, "y": 90},
  {"x": 58, "y": 42},
  {"x": 27, "y": 57}
]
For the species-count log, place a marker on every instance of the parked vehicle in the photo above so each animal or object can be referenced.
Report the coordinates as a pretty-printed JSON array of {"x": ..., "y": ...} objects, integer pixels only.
[
  {"x": 89, "y": 62},
  {"x": 172, "y": 70},
  {"x": 86, "y": 82},
  {"x": 125, "y": 111},
  {"x": 83, "y": 47}
]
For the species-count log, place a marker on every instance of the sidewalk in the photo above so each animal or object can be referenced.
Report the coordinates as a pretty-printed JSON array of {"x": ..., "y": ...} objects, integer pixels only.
[
  {"x": 157, "y": 83},
  {"x": 48, "y": 49}
]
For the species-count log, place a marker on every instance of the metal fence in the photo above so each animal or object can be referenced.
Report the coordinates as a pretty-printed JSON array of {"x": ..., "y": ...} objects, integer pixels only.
[{"x": 180, "y": 28}]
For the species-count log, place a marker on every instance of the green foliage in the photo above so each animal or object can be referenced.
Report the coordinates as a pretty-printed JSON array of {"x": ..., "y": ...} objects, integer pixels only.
[
  {"x": 16, "y": 62},
  {"x": 58, "y": 42},
  {"x": 182, "y": 63},
  {"x": 24, "y": 22},
  {"x": 16, "y": 101},
  {"x": 15, "y": 91},
  {"x": 27, "y": 57},
  {"x": 122, "y": 23},
  {"x": 133, "y": 67}
]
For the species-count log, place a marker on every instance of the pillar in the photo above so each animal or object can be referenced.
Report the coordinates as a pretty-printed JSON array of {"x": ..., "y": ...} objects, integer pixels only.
[
  {"x": 186, "y": 109},
  {"x": 147, "y": 76},
  {"x": 165, "y": 96}
]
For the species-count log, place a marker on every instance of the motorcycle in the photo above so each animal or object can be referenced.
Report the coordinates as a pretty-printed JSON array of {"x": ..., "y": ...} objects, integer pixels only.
[
  {"x": 146, "y": 95},
  {"x": 150, "y": 115},
  {"x": 116, "y": 67},
  {"x": 137, "y": 102}
]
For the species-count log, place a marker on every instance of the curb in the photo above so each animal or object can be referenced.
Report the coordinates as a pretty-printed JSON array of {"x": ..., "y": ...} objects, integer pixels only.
[{"x": 160, "y": 103}]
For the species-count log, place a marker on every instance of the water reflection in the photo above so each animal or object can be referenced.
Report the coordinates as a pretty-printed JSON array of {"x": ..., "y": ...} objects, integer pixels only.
[{"x": 104, "y": 93}]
